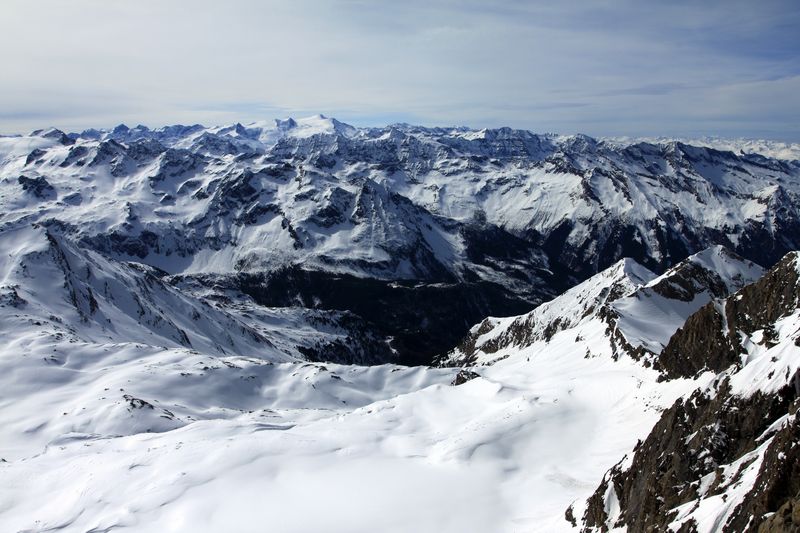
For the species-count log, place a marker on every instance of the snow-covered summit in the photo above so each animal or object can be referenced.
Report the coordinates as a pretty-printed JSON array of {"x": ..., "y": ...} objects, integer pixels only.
[
  {"x": 495, "y": 338},
  {"x": 650, "y": 315},
  {"x": 315, "y": 125}
]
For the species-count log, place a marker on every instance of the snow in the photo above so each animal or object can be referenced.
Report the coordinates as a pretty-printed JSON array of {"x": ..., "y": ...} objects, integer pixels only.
[
  {"x": 711, "y": 513},
  {"x": 523, "y": 449},
  {"x": 629, "y": 293},
  {"x": 516, "y": 179},
  {"x": 234, "y": 442},
  {"x": 12, "y": 149},
  {"x": 734, "y": 272},
  {"x": 128, "y": 402},
  {"x": 648, "y": 318},
  {"x": 577, "y": 306},
  {"x": 237, "y": 441},
  {"x": 776, "y": 149},
  {"x": 766, "y": 368},
  {"x": 769, "y": 368}
]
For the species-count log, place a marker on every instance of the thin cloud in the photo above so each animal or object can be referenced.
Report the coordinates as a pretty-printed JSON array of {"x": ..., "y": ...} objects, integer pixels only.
[{"x": 600, "y": 67}]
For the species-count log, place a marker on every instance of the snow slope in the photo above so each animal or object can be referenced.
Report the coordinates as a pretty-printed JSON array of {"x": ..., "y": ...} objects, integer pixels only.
[
  {"x": 649, "y": 316},
  {"x": 725, "y": 457},
  {"x": 154, "y": 439},
  {"x": 236, "y": 443}
]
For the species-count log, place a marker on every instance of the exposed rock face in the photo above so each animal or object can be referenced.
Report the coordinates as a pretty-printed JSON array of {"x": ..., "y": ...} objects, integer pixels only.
[
  {"x": 684, "y": 281},
  {"x": 421, "y": 320},
  {"x": 682, "y": 460},
  {"x": 776, "y": 487},
  {"x": 618, "y": 297},
  {"x": 711, "y": 339},
  {"x": 700, "y": 344},
  {"x": 38, "y": 187},
  {"x": 730, "y": 452},
  {"x": 463, "y": 376},
  {"x": 576, "y": 305},
  {"x": 785, "y": 520}
]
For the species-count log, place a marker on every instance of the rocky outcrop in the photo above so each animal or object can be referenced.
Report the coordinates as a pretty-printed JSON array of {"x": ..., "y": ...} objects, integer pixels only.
[
  {"x": 464, "y": 376},
  {"x": 38, "y": 187},
  {"x": 732, "y": 447},
  {"x": 618, "y": 297},
  {"x": 785, "y": 520},
  {"x": 711, "y": 338},
  {"x": 683, "y": 457}
]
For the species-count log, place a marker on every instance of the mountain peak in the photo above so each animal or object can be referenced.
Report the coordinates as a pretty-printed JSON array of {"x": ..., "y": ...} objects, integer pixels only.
[
  {"x": 53, "y": 133},
  {"x": 730, "y": 271},
  {"x": 630, "y": 269},
  {"x": 313, "y": 125},
  {"x": 285, "y": 123}
]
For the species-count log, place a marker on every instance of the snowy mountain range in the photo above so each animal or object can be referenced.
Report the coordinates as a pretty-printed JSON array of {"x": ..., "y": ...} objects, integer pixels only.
[
  {"x": 317, "y": 212},
  {"x": 208, "y": 329}
]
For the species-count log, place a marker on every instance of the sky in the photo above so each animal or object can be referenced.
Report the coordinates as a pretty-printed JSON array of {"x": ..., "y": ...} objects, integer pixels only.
[{"x": 728, "y": 68}]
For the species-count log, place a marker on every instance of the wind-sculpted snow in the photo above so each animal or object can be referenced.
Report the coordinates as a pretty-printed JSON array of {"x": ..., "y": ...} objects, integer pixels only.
[{"x": 136, "y": 436}]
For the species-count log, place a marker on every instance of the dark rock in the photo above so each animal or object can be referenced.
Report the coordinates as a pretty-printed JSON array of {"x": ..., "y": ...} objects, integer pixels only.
[
  {"x": 569, "y": 516},
  {"x": 58, "y": 135},
  {"x": 136, "y": 403},
  {"x": 700, "y": 434},
  {"x": 34, "y": 156},
  {"x": 463, "y": 376},
  {"x": 785, "y": 520},
  {"x": 709, "y": 340},
  {"x": 76, "y": 156},
  {"x": 691, "y": 440},
  {"x": 423, "y": 320},
  {"x": 74, "y": 198},
  {"x": 38, "y": 187}
]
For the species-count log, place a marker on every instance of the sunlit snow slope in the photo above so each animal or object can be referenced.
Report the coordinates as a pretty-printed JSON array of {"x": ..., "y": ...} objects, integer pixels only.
[{"x": 170, "y": 439}]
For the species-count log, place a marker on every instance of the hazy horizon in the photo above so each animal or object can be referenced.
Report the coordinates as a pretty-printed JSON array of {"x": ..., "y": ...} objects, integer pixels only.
[{"x": 721, "y": 69}]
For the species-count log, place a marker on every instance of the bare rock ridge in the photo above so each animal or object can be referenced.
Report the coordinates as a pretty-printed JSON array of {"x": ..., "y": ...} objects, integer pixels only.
[
  {"x": 711, "y": 338},
  {"x": 727, "y": 457},
  {"x": 639, "y": 310}
]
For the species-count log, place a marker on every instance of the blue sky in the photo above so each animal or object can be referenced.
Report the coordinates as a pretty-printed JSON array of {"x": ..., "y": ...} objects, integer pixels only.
[{"x": 726, "y": 68}]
